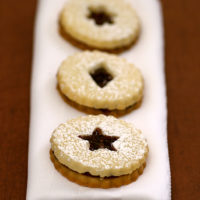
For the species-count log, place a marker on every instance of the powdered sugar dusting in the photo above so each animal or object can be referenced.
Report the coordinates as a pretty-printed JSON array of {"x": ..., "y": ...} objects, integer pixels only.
[
  {"x": 123, "y": 90},
  {"x": 122, "y": 32},
  {"x": 74, "y": 151}
]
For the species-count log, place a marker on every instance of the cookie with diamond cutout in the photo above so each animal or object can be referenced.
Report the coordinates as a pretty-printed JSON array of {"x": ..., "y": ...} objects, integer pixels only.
[{"x": 100, "y": 80}]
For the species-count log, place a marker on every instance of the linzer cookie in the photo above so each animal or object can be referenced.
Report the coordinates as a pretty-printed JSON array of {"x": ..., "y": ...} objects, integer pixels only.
[
  {"x": 103, "y": 24},
  {"x": 100, "y": 146},
  {"x": 100, "y": 80}
]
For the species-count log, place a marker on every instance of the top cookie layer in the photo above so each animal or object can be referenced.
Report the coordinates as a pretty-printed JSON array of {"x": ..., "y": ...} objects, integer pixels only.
[
  {"x": 104, "y": 24},
  {"x": 80, "y": 79},
  {"x": 71, "y": 146}
]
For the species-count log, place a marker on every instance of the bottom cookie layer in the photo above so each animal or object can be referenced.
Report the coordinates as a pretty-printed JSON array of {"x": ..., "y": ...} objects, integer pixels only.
[
  {"x": 94, "y": 111},
  {"x": 92, "y": 181},
  {"x": 83, "y": 46}
]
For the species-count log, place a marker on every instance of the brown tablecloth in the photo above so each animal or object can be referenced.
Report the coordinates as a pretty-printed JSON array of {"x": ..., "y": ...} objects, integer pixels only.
[{"x": 182, "y": 39}]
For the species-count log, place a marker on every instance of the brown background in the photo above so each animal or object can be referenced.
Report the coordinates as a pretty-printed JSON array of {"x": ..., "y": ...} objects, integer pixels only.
[{"x": 182, "y": 38}]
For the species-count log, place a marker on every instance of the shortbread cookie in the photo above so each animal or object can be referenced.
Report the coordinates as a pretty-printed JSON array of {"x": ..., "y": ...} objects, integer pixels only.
[
  {"x": 100, "y": 80},
  {"x": 102, "y": 146},
  {"x": 103, "y": 24}
]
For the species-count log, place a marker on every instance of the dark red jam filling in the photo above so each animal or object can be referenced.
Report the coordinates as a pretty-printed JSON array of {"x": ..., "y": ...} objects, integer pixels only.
[
  {"x": 100, "y": 141},
  {"x": 101, "y": 77},
  {"x": 100, "y": 17}
]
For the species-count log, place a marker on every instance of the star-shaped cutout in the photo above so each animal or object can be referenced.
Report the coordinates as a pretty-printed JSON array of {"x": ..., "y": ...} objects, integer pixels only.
[
  {"x": 100, "y": 17},
  {"x": 100, "y": 141}
]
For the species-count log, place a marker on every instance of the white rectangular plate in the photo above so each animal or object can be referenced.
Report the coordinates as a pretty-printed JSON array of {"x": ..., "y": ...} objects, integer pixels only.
[{"x": 48, "y": 109}]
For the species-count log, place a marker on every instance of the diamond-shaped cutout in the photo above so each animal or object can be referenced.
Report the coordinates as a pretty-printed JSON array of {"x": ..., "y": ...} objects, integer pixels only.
[
  {"x": 101, "y": 76},
  {"x": 100, "y": 16}
]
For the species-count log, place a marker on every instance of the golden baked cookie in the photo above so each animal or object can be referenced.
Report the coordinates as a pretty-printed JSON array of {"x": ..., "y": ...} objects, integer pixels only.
[
  {"x": 100, "y": 145},
  {"x": 103, "y": 24},
  {"x": 100, "y": 80}
]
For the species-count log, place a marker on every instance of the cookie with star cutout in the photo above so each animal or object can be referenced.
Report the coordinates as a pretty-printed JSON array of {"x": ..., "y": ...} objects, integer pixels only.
[
  {"x": 101, "y": 24},
  {"x": 99, "y": 146}
]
